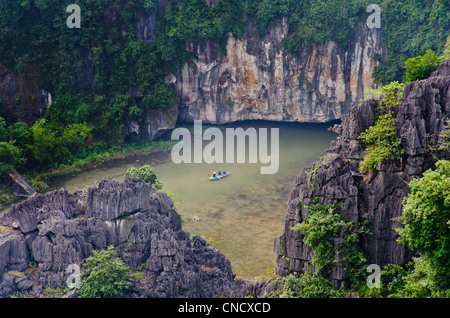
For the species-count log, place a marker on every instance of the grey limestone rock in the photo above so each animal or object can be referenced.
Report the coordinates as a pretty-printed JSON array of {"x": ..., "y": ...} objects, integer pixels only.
[
  {"x": 376, "y": 197},
  {"x": 59, "y": 229}
]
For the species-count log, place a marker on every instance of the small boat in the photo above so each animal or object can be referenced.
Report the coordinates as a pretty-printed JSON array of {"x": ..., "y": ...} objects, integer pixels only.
[{"x": 217, "y": 177}]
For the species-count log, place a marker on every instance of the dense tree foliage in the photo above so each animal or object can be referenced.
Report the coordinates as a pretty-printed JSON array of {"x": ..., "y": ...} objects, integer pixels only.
[
  {"x": 104, "y": 275},
  {"x": 426, "y": 227},
  {"x": 420, "y": 67},
  {"x": 147, "y": 174},
  {"x": 410, "y": 28}
]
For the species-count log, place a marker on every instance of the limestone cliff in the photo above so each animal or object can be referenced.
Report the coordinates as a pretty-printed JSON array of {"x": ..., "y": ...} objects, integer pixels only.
[
  {"x": 256, "y": 79},
  {"x": 376, "y": 197},
  {"x": 259, "y": 79}
]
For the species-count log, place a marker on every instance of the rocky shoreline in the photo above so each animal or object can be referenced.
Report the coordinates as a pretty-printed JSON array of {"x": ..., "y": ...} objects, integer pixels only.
[{"x": 52, "y": 231}]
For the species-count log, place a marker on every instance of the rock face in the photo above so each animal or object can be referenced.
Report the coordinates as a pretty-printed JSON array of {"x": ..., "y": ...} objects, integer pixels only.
[
  {"x": 20, "y": 186},
  {"x": 256, "y": 79},
  {"x": 259, "y": 79},
  {"x": 376, "y": 197},
  {"x": 60, "y": 229},
  {"x": 22, "y": 98}
]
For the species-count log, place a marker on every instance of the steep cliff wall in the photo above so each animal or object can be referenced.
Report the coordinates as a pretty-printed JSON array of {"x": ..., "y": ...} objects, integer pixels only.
[
  {"x": 376, "y": 197},
  {"x": 256, "y": 79},
  {"x": 259, "y": 79}
]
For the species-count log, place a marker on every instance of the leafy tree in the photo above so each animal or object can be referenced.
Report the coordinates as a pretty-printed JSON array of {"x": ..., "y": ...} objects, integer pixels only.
[
  {"x": 104, "y": 275},
  {"x": 47, "y": 146},
  {"x": 11, "y": 156},
  {"x": 425, "y": 220},
  {"x": 76, "y": 137},
  {"x": 420, "y": 67},
  {"x": 147, "y": 174},
  {"x": 310, "y": 285},
  {"x": 391, "y": 95},
  {"x": 409, "y": 29},
  {"x": 57, "y": 145},
  {"x": 382, "y": 141},
  {"x": 111, "y": 125},
  {"x": 20, "y": 133},
  {"x": 320, "y": 229}
]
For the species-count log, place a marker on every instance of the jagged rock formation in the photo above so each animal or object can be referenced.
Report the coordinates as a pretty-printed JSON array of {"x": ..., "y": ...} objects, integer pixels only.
[
  {"x": 20, "y": 187},
  {"x": 377, "y": 197},
  {"x": 58, "y": 229},
  {"x": 259, "y": 79}
]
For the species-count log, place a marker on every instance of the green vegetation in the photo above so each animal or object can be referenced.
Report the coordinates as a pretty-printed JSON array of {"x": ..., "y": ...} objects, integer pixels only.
[
  {"x": 147, "y": 174},
  {"x": 409, "y": 29},
  {"x": 420, "y": 67},
  {"x": 382, "y": 141},
  {"x": 104, "y": 275},
  {"x": 320, "y": 230},
  {"x": 90, "y": 71},
  {"x": 425, "y": 230},
  {"x": 426, "y": 227},
  {"x": 45, "y": 151},
  {"x": 310, "y": 285}
]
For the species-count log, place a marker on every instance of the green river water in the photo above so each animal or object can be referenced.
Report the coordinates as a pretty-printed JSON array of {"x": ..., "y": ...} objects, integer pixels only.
[{"x": 241, "y": 214}]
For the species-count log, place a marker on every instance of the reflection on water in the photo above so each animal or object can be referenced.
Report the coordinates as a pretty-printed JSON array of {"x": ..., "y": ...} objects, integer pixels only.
[{"x": 241, "y": 214}]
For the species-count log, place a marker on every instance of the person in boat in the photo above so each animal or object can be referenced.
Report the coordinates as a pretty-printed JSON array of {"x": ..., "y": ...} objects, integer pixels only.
[
  {"x": 224, "y": 173},
  {"x": 220, "y": 173},
  {"x": 214, "y": 174}
]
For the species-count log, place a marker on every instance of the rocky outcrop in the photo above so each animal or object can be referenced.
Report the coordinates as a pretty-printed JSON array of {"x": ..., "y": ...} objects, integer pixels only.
[
  {"x": 19, "y": 186},
  {"x": 259, "y": 79},
  {"x": 56, "y": 230},
  {"x": 22, "y": 98},
  {"x": 376, "y": 197}
]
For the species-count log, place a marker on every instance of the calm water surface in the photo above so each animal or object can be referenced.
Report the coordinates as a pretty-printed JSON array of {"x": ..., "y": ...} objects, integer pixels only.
[{"x": 241, "y": 214}]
